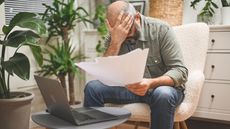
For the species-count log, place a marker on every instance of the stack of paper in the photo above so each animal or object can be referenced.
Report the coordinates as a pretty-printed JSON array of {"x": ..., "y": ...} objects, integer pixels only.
[{"x": 118, "y": 70}]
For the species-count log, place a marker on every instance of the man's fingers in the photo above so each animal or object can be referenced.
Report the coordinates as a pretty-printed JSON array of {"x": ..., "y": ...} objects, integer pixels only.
[
  {"x": 140, "y": 93},
  {"x": 129, "y": 24},
  {"x": 133, "y": 86},
  {"x": 126, "y": 19},
  {"x": 119, "y": 18},
  {"x": 108, "y": 25}
]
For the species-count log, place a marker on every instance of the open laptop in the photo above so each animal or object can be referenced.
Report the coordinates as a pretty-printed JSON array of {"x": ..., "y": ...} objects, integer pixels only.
[{"x": 58, "y": 105}]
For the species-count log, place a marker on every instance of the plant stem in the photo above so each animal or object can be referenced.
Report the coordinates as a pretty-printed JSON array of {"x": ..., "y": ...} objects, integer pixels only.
[
  {"x": 2, "y": 89},
  {"x": 63, "y": 82},
  {"x": 4, "y": 85},
  {"x": 8, "y": 83},
  {"x": 71, "y": 88}
]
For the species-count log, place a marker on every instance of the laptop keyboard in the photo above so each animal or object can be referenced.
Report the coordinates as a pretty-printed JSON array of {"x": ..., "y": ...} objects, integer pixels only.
[{"x": 81, "y": 116}]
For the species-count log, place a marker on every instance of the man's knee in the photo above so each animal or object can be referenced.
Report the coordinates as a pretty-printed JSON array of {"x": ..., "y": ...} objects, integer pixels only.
[
  {"x": 92, "y": 87},
  {"x": 164, "y": 95}
]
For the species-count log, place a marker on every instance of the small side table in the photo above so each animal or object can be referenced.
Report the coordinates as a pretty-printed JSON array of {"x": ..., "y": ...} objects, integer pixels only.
[{"x": 49, "y": 121}]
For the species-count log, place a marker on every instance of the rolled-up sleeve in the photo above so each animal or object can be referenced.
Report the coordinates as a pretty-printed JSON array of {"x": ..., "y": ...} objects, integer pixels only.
[{"x": 172, "y": 57}]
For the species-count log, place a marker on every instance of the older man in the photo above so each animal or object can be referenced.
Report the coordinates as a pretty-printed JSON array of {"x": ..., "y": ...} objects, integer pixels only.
[{"x": 165, "y": 74}]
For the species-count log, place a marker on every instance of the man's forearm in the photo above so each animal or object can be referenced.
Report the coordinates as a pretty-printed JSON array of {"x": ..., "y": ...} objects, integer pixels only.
[
  {"x": 113, "y": 49},
  {"x": 161, "y": 81}
]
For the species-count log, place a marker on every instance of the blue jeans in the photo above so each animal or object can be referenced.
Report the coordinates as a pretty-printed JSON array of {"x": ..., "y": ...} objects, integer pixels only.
[{"x": 162, "y": 100}]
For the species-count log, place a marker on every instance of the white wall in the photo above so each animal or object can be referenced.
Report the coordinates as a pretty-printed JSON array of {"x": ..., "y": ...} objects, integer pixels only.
[{"x": 2, "y": 17}]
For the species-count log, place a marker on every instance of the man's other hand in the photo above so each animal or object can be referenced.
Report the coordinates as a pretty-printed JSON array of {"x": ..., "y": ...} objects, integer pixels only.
[
  {"x": 120, "y": 30},
  {"x": 140, "y": 88}
]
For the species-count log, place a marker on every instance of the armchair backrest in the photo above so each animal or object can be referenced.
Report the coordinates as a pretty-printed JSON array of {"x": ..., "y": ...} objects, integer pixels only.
[{"x": 193, "y": 39}]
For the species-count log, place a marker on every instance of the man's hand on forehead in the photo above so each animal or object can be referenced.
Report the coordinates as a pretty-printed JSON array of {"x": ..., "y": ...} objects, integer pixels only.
[
  {"x": 125, "y": 14},
  {"x": 120, "y": 30},
  {"x": 124, "y": 19}
]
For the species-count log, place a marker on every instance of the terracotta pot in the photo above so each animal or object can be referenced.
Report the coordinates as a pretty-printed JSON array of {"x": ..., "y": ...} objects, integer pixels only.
[{"x": 15, "y": 112}]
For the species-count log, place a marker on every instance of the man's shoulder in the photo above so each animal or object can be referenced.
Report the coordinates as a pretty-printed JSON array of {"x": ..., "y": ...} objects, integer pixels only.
[{"x": 156, "y": 23}]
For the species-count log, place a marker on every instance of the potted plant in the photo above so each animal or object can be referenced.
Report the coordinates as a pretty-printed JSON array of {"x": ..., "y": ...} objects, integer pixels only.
[
  {"x": 60, "y": 58},
  {"x": 100, "y": 25},
  {"x": 207, "y": 11},
  {"x": 15, "y": 106},
  {"x": 225, "y": 12}
]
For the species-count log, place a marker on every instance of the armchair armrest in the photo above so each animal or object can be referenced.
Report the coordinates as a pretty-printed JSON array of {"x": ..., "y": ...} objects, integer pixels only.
[{"x": 192, "y": 94}]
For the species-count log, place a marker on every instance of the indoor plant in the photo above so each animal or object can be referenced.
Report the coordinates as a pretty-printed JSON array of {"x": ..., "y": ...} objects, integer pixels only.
[
  {"x": 100, "y": 25},
  {"x": 61, "y": 18},
  {"x": 15, "y": 106},
  {"x": 207, "y": 11},
  {"x": 225, "y": 11}
]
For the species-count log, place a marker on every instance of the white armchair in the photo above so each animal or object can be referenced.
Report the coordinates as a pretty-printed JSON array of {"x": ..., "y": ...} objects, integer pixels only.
[{"x": 193, "y": 40}]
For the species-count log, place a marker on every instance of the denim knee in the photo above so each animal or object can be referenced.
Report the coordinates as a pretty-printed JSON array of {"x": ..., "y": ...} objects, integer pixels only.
[
  {"x": 93, "y": 96},
  {"x": 92, "y": 87},
  {"x": 163, "y": 96}
]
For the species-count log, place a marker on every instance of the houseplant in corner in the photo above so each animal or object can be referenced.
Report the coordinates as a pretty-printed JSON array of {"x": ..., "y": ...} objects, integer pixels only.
[
  {"x": 60, "y": 58},
  {"x": 225, "y": 12},
  {"x": 15, "y": 106},
  {"x": 100, "y": 25},
  {"x": 207, "y": 12}
]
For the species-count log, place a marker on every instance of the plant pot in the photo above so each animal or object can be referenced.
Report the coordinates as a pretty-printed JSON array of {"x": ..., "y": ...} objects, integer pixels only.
[
  {"x": 225, "y": 15},
  {"x": 15, "y": 112},
  {"x": 206, "y": 18}
]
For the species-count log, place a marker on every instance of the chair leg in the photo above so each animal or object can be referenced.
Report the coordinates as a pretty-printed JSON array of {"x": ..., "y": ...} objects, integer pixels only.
[
  {"x": 183, "y": 125},
  {"x": 176, "y": 125},
  {"x": 136, "y": 124}
]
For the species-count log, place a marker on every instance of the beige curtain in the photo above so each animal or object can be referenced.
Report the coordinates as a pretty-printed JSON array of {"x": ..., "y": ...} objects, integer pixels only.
[{"x": 170, "y": 11}]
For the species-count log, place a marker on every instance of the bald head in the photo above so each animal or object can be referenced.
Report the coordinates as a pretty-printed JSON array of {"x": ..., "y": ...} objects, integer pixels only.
[{"x": 115, "y": 8}]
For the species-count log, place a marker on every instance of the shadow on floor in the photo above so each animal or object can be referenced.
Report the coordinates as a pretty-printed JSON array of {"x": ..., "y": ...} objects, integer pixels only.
[{"x": 202, "y": 124}]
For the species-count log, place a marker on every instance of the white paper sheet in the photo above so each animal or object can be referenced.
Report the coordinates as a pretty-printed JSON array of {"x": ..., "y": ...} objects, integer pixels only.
[{"x": 118, "y": 70}]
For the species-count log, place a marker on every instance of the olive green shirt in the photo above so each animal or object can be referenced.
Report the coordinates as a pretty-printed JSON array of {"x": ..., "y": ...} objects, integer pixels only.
[{"x": 164, "y": 57}]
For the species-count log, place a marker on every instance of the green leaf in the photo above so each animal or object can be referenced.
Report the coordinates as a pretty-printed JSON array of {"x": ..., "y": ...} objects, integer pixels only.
[
  {"x": 212, "y": 10},
  {"x": 34, "y": 24},
  {"x": 225, "y": 3},
  {"x": 19, "y": 18},
  {"x": 19, "y": 65},
  {"x": 83, "y": 10},
  {"x": 37, "y": 53},
  {"x": 194, "y": 3},
  {"x": 5, "y": 29},
  {"x": 214, "y": 5},
  {"x": 21, "y": 37},
  {"x": 1, "y": 1}
]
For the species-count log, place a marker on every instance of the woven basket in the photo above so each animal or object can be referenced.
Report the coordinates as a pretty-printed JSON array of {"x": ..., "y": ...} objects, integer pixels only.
[{"x": 170, "y": 11}]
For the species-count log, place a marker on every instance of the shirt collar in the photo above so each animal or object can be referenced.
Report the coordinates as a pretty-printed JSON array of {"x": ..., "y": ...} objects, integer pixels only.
[{"x": 142, "y": 36}]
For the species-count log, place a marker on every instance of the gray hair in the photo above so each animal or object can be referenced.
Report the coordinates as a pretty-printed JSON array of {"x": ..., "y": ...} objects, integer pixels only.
[
  {"x": 129, "y": 9},
  {"x": 114, "y": 9}
]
